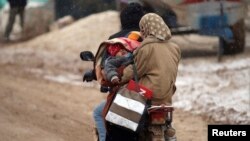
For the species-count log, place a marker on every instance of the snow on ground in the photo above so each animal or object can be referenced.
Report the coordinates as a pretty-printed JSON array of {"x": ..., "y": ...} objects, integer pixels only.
[
  {"x": 85, "y": 34},
  {"x": 220, "y": 91}
]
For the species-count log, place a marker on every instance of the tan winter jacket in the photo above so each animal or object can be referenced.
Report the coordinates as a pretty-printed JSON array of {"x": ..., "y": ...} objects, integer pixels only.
[{"x": 157, "y": 65}]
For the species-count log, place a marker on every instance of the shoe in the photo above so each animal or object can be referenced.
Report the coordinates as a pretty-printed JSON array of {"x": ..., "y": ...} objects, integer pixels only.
[
  {"x": 171, "y": 138},
  {"x": 170, "y": 134}
]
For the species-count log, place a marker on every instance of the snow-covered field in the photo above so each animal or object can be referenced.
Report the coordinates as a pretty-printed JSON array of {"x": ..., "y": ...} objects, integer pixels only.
[{"x": 220, "y": 91}]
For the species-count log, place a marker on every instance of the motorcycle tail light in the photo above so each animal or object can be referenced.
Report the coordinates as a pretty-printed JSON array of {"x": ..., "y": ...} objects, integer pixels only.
[
  {"x": 157, "y": 117},
  {"x": 160, "y": 114}
]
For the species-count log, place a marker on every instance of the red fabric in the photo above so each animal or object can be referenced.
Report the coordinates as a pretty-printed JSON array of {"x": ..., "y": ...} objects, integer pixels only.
[
  {"x": 147, "y": 93},
  {"x": 191, "y": 1},
  {"x": 131, "y": 44},
  {"x": 113, "y": 49}
]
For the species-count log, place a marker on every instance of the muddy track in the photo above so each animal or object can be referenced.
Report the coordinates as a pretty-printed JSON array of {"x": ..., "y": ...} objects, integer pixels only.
[{"x": 33, "y": 108}]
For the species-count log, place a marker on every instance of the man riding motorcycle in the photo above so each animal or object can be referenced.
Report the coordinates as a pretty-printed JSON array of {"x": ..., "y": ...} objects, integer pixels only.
[{"x": 157, "y": 62}]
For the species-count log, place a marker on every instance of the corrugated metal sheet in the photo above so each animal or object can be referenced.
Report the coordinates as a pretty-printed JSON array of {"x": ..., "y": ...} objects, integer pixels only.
[{"x": 190, "y": 12}]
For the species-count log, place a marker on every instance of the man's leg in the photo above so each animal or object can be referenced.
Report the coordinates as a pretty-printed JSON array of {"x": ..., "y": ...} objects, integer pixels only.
[
  {"x": 11, "y": 21},
  {"x": 170, "y": 134},
  {"x": 99, "y": 121},
  {"x": 21, "y": 12}
]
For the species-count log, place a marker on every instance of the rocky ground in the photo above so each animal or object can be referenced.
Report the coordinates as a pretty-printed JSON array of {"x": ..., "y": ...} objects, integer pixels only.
[{"x": 42, "y": 96}]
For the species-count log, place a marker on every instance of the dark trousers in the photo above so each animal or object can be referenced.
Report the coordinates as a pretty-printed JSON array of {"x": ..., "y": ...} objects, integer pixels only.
[{"x": 12, "y": 16}]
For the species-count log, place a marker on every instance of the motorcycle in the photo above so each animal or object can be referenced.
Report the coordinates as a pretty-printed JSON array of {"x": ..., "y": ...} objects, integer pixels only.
[{"x": 158, "y": 119}]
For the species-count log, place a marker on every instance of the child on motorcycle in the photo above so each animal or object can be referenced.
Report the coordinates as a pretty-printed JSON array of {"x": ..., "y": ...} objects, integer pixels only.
[{"x": 118, "y": 56}]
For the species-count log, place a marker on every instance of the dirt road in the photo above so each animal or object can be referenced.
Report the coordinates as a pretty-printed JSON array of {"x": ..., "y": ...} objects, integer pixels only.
[
  {"x": 37, "y": 103},
  {"x": 35, "y": 109}
]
